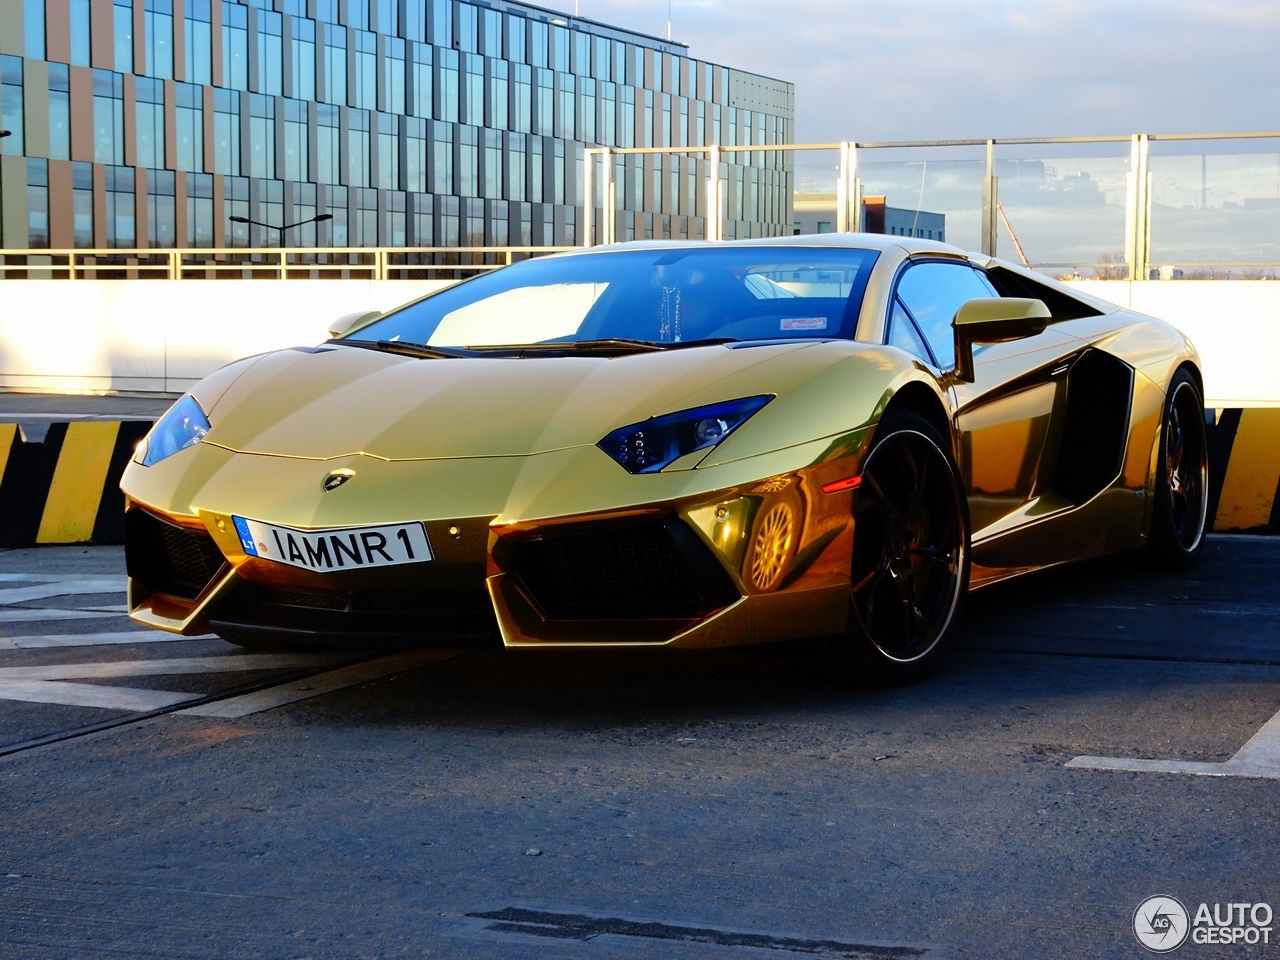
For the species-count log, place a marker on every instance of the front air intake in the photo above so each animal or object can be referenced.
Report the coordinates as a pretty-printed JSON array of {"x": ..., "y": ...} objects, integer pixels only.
[
  {"x": 167, "y": 558},
  {"x": 645, "y": 571}
]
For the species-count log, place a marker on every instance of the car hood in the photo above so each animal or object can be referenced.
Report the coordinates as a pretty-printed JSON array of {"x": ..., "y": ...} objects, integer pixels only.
[{"x": 336, "y": 401}]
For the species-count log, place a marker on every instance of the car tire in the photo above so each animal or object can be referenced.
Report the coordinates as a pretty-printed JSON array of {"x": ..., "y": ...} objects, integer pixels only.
[
  {"x": 1179, "y": 514},
  {"x": 910, "y": 559}
]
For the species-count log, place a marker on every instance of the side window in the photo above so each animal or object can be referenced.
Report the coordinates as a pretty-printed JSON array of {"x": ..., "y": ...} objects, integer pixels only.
[
  {"x": 904, "y": 335},
  {"x": 932, "y": 293}
]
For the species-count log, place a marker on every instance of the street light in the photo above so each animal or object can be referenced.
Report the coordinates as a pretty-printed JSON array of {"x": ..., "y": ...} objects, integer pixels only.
[
  {"x": 6, "y": 133},
  {"x": 289, "y": 226}
]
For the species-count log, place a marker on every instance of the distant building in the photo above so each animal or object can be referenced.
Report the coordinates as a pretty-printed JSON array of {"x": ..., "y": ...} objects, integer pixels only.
[
  {"x": 150, "y": 123},
  {"x": 816, "y": 213}
]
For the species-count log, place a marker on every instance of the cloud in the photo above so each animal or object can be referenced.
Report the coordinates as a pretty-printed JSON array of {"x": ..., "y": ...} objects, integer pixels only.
[{"x": 925, "y": 69}]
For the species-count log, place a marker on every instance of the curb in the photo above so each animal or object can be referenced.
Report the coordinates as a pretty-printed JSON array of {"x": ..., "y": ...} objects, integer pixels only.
[{"x": 66, "y": 489}]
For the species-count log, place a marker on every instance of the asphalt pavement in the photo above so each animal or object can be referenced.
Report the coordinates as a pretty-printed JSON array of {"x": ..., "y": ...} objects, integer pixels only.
[{"x": 169, "y": 798}]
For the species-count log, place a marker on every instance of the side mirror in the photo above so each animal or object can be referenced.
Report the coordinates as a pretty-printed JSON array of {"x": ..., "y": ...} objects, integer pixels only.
[
  {"x": 994, "y": 320},
  {"x": 345, "y": 324}
]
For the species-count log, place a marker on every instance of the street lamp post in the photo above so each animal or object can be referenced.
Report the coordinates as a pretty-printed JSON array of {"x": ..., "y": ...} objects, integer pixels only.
[{"x": 289, "y": 226}]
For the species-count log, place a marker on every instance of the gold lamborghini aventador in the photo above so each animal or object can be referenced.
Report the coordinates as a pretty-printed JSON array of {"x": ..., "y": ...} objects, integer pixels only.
[{"x": 827, "y": 439}]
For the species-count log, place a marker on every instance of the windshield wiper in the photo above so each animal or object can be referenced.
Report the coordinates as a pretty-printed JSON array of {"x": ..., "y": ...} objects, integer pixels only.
[
  {"x": 610, "y": 346},
  {"x": 407, "y": 349}
]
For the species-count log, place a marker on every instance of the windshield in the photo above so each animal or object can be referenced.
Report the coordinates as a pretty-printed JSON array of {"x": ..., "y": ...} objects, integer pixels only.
[{"x": 657, "y": 296}]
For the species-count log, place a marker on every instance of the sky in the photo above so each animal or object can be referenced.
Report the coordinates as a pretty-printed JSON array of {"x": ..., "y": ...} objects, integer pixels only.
[{"x": 870, "y": 70}]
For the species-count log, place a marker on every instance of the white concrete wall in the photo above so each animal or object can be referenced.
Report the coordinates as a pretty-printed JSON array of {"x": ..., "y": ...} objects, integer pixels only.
[
  {"x": 88, "y": 336},
  {"x": 1235, "y": 324},
  {"x": 163, "y": 336}
]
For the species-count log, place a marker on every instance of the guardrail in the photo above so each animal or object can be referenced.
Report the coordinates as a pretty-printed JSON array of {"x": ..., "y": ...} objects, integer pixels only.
[{"x": 264, "y": 263}]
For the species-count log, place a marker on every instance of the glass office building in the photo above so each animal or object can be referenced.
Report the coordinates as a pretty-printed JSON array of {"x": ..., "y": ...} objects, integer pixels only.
[{"x": 150, "y": 123}]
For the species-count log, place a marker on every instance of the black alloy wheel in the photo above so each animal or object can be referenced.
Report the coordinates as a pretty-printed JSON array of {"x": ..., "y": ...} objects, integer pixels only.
[
  {"x": 910, "y": 563},
  {"x": 1179, "y": 515}
]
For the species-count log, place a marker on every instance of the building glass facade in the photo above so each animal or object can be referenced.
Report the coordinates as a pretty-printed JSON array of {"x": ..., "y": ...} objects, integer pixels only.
[{"x": 150, "y": 123}]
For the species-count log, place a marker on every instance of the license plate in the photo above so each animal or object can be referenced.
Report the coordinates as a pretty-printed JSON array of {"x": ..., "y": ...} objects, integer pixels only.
[{"x": 347, "y": 548}]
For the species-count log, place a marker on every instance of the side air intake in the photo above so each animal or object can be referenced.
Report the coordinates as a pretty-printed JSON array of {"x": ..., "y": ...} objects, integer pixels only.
[{"x": 1094, "y": 437}]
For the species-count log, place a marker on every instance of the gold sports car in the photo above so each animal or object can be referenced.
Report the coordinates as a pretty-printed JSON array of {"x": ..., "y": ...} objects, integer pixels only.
[{"x": 827, "y": 439}]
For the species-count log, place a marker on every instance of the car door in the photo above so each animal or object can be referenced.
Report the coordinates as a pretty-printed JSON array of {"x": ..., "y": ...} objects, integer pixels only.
[{"x": 1003, "y": 418}]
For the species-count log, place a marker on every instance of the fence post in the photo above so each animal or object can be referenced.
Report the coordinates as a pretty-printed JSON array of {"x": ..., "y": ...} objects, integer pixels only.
[
  {"x": 713, "y": 194},
  {"x": 990, "y": 196},
  {"x": 842, "y": 191},
  {"x": 1137, "y": 209}
]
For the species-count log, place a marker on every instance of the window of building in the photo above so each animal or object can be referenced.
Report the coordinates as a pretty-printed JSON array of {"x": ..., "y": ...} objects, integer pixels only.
[
  {"x": 538, "y": 39},
  {"x": 122, "y": 24},
  {"x": 388, "y": 151},
  {"x": 161, "y": 215},
  {"x": 270, "y": 78},
  {"x": 197, "y": 41},
  {"x": 108, "y": 117},
  {"x": 302, "y": 207},
  {"x": 33, "y": 30},
  {"x": 149, "y": 108},
  {"x": 415, "y": 23},
  {"x": 472, "y": 103},
  {"x": 472, "y": 222},
  {"x": 388, "y": 17},
  {"x": 358, "y": 14},
  {"x": 558, "y": 172},
  {"x": 535, "y": 170},
  {"x": 295, "y": 140},
  {"x": 158, "y": 23},
  {"x": 200, "y": 210},
  {"x": 326, "y": 10},
  {"x": 327, "y": 143},
  {"x": 121, "y": 208},
  {"x": 335, "y": 64},
  {"x": 493, "y": 178},
  {"x": 365, "y": 94},
  {"x": 391, "y": 232},
  {"x": 627, "y": 117},
  {"x": 587, "y": 110},
  {"x": 608, "y": 134},
  {"x": 516, "y": 171},
  {"x": 358, "y": 148},
  {"x": 544, "y": 103},
  {"x": 59, "y": 111},
  {"x": 421, "y": 85},
  {"x": 415, "y": 155},
  {"x": 441, "y": 157},
  {"x": 466, "y": 28},
  {"x": 37, "y": 202},
  {"x": 581, "y": 54},
  {"x": 82, "y": 204},
  {"x": 560, "y": 48},
  {"x": 302, "y": 69},
  {"x": 393, "y": 74},
  {"x": 522, "y": 104},
  {"x": 334, "y": 231},
  {"x": 189, "y": 135},
  {"x": 441, "y": 22},
  {"x": 421, "y": 220},
  {"x": 235, "y": 203},
  {"x": 499, "y": 87},
  {"x": 446, "y": 107},
  {"x": 565, "y": 126},
  {"x": 516, "y": 38},
  {"x": 80, "y": 33},
  {"x": 270, "y": 211},
  {"x": 235, "y": 46},
  {"x": 468, "y": 163},
  {"x": 262, "y": 135},
  {"x": 364, "y": 217},
  {"x": 682, "y": 123},
  {"x": 446, "y": 221},
  {"x": 226, "y": 132},
  {"x": 491, "y": 30}
]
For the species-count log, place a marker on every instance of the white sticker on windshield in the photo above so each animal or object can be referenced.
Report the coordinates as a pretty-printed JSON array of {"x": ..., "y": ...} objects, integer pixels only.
[{"x": 804, "y": 323}]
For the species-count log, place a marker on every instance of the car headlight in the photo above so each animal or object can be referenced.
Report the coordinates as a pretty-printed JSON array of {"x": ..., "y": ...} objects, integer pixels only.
[
  {"x": 182, "y": 426},
  {"x": 652, "y": 444}
]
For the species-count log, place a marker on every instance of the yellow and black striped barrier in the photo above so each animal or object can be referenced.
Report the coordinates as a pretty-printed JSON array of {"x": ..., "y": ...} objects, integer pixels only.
[{"x": 66, "y": 489}]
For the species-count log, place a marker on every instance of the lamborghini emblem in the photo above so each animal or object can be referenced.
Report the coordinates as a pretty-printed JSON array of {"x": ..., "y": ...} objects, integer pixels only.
[{"x": 336, "y": 479}]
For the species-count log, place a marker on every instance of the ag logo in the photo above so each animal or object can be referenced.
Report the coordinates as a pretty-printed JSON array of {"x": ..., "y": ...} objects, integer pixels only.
[
  {"x": 1161, "y": 924},
  {"x": 336, "y": 479}
]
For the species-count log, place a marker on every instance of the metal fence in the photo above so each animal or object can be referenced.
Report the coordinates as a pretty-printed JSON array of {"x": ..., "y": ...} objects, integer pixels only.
[{"x": 1166, "y": 206}]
